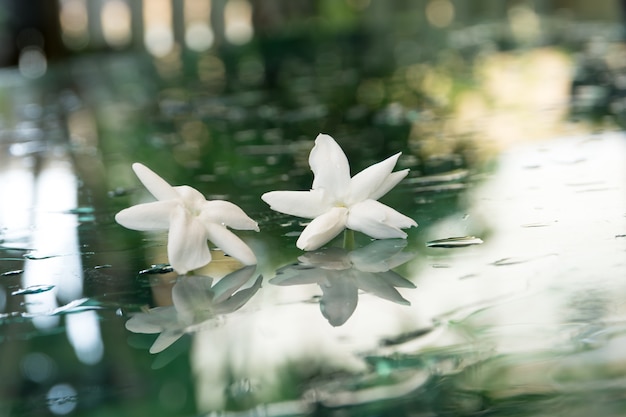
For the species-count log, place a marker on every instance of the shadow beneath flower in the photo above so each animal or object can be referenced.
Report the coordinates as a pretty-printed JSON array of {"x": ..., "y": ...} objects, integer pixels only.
[
  {"x": 341, "y": 273},
  {"x": 198, "y": 302}
]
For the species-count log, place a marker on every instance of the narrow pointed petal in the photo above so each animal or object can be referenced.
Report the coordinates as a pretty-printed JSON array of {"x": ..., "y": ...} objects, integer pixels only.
[
  {"x": 323, "y": 228},
  {"x": 157, "y": 186},
  {"x": 187, "y": 247},
  {"x": 227, "y": 286},
  {"x": 340, "y": 297},
  {"x": 391, "y": 181},
  {"x": 154, "y": 321},
  {"x": 374, "y": 284},
  {"x": 228, "y": 214},
  {"x": 330, "y": 167},
  {"x": 148, "y": 216},
  {"x": 165, "y": 340},
  {"x": 230, "y": 243},
  {"x": 239, "y": 299},
  {"x": 307, "y": 204},
  {"x": 368, "y": 182},
  {"x": 378, "y": 220}
]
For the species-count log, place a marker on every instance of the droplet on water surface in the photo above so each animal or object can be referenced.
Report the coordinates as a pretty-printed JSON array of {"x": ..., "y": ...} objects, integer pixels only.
[
  {"x": 33, "y": 289},
  {"x": 11, "y": 273},
  {"x": 454, "y": 242},
  {"x": 157, "y": 269}
]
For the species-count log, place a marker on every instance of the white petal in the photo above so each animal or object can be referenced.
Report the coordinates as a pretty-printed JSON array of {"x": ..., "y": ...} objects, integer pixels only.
[
  {"x": 157, "y": 186},
  {"x": 192, "y": 198},
  {"x": 187, "y": 247},
  {"x": 378, "y": 220},
  {"x": 330, "y": 167},
  {"x": 230, "y": 243},
  {"x": 307, "y": 204},
  {"x": 369, "y": 181},
  {"x": 323, "y": 228},
  {"x": 391, "y": 181},
  {"x": 148, "y": 216},
  {"x": 228, "y": 214}
]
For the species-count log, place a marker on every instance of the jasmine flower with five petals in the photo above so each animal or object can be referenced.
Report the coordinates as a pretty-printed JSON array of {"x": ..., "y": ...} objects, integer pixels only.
[
  {"x": 337, "y": 201},
  {"x": 191, "y": 220}
]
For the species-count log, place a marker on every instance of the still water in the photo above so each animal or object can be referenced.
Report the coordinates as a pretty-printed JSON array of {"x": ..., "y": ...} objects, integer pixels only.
[{"x": 507, "y": 300}]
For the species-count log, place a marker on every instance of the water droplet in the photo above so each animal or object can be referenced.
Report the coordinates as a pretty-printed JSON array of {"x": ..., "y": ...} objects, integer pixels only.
[
  {"x": 34, "y": 257},
  {"x": 540, "y": 224},
  {"x": 117, "y": 192},
  {"x": 157, "y": 269},
  {"x": 454, "y": 242},
  {"x": 510, "y": 261},
  {"x": 11, "y": 273},
  {"x": 33, "y": 289}
]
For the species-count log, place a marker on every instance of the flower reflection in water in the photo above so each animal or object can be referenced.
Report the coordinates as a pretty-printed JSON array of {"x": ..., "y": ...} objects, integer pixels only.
[
  {"x": 341, "y": 273},
  {"x": 198, "y": 302}
]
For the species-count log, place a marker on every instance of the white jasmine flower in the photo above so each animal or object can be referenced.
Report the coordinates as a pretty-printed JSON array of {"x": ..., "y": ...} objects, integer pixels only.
[
  {"x": 191, "y": 220},
  {"x": 337, "y": 201}
]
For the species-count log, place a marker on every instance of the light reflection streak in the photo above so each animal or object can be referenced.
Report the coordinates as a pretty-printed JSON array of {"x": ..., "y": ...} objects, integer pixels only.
[
  {"x": 83, "y": 332},
  {"x": 55, "y": 258},
  {"x": 17, "y": 188}
]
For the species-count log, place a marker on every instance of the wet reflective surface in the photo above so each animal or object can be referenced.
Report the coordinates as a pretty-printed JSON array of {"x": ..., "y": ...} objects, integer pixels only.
[{"x": 507, "y": 300}]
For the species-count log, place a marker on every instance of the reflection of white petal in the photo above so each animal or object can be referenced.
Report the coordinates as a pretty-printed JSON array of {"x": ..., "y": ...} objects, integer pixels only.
[
  {"x": 298, "y": 275},
  {"x": 328, "y": 258},
  {"x": 375, "y": 284},
  {"x": 307, "y": 204},
  {"x": 378, "y": 220},
  {"x": 369, "y": 181},
  {"x": 330, "y": 167},
  {"x": 152, "y": 322},
  {"x": 323, "y": 228},
  {"x": 380, "y": 255},
  {"x": 226, "y": 286},
  {"x": 148, "y": 216},
  {"x": 187, "y": 247},
  {"x": 228, "y": 214},
  {"x": 165, "y": 340},
  {"x": 339, "y": 299},
  {"x": 157, "y": 186},
  {"x": 238, "y": 299},
  {"x": 192, "y": 295},
  {"x": 391, "y": 181},
  {"x": 230, "y": 243}
]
